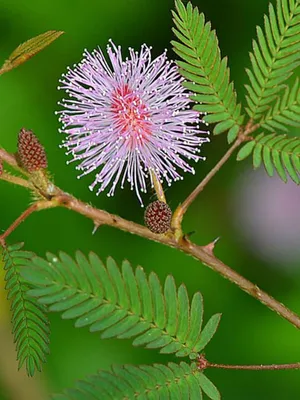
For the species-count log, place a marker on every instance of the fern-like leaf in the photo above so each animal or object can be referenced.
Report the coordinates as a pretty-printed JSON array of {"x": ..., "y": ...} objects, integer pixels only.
[
  {"x": 276, "y": 53},
  {"x": 30, "y": 325},
  {"x": 274, "y": 151},
  {"x": 172, "y": 381},
  {"x": 207, "y": 73},
  {"x": 121, "y": 303},
  {"x": 286, "y": 110}
]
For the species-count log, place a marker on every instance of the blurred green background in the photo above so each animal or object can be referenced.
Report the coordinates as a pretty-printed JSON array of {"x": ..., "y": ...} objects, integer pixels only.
[{"x": 249, "y": 332}]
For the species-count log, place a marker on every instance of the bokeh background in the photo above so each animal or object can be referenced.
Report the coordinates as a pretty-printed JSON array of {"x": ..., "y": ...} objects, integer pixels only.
[{"x": 257, "y": 218}]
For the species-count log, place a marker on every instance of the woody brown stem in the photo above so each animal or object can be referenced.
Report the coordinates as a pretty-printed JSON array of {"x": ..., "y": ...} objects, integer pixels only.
[{"x": 201, "y": 253}]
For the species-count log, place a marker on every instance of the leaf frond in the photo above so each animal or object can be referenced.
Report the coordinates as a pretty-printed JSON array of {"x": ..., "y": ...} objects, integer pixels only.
[
  {"x": 285, "y": 112},
  {"x": 275, "y": 55},
  {"x": 206, "y": 73},
  {"x": 121, "y": 303},
  {"x": 157, "y": 381},
  {"x": 274, "y": 151},
  {"x": 30, "y": 325}
]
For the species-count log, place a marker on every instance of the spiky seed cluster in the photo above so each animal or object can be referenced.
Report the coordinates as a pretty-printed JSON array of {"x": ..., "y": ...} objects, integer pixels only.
[
  {"x": 126, "y": 120},
  {"x": 158, "y": 217},
  {"x": 1, "y": 167},
  {"x": 31, "y": 153}
]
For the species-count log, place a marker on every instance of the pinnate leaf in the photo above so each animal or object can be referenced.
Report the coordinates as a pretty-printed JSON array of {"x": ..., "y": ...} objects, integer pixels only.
[
  {"x": 206, "y": 72},
  {"x": 30, "y": 325},
  {"x": 157, "y": 381},
  {"x": 120, "y": 302},
  {"x": 275, "y": 55}
]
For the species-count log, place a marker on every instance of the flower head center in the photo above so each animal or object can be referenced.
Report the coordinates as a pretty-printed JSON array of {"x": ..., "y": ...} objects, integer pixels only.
[{"x": 130, "y": 114}]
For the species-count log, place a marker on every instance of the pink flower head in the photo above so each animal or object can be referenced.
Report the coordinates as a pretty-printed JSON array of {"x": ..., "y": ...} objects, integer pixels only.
[{"x": 128, "y": 119}]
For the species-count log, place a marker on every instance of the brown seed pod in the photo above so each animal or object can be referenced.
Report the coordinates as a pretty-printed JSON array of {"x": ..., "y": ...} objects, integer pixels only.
[
  {"x": 30, "y": 151},
  {"x": 1, "y": 167},
  {"x": 158, "y": 217}
]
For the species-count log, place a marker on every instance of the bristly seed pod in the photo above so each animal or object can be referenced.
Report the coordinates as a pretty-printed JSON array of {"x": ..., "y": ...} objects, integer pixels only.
[
  {"x": 158, "y": 217},
  {"x": 1, "y": 167},
  {"x": 30, "y": 151}
]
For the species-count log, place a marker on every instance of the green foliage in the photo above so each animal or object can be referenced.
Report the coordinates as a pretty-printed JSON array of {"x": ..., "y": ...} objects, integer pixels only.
[
  {"x": 276, "y": 53},
  {"x": 277, "y": 151},
  {"x": 29, "y": 323},
  {"x": 172, "y": 381},
  {"x": 286, "y": 111},
  {"x": 121, "y": 303},
  {"x": 207, "y": 73},
  {"x": 29, "y": 49}
]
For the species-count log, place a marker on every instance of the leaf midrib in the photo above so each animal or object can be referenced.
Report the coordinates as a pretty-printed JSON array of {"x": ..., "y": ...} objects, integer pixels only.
[
  {"x": 167, "y": 383},
  {"x": 130, "y": 313}
]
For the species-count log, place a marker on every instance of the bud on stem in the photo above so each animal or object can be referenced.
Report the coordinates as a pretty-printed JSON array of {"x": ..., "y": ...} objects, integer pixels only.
[
  {"x": 158, "y": 217},
  {"x": 31, "y": 153}
]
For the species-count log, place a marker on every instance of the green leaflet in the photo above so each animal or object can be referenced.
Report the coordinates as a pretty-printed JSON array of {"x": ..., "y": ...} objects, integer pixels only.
[
  {"x": 28, "y": 49},
  {"x": 157, "y": 381},
  {"x": 207, "y": 74},
  {"x": 208, "y": 387},
  {"x": 285, "y": 112},
  {"x": 120, "y": 302},
  {"x": 277, "y": 152},
  {"x": 30, "y": 325},
  {"x": 276, "y": 53}
]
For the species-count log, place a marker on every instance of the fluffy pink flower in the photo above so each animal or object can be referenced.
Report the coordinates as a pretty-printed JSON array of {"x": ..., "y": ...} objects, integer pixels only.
[{"x": 128, "y": 118}]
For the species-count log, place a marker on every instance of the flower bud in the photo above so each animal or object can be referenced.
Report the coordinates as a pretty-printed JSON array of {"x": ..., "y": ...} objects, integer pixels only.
[
  {"x": 158, "y": 217},
  {"x": 30, "y": 151}
]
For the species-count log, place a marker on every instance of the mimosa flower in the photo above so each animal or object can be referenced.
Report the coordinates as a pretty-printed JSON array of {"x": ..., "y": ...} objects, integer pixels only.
[{"x": 129, "y": 118}]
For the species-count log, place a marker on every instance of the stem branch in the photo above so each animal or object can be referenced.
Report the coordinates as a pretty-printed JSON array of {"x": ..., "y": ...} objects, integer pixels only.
[
  {"x": 16, "y": 180},
  {"x": 188, "y": 201},
  {"x": 17, "y": 222},
  {"x": 11, "y": 160},
  {"x": 203, "y": 364},
  {"x": 201, "y": 253},
  {"x": 182, "y": 208},
  {"x": 260, "y": 367},
  {"x": 39, "y": 205}
]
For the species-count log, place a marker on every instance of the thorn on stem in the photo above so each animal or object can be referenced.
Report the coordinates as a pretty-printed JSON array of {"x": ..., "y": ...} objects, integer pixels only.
[
  {"x": 96, "y": 226},
  {"x": 189, "y": 234},
  {"x": 211, "y": 246}
]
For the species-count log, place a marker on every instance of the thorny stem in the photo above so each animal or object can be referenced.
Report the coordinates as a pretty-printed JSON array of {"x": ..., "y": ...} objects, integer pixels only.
[
  {"x": 202, "y": 253},
  {"x": 204, "y": 364}
]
